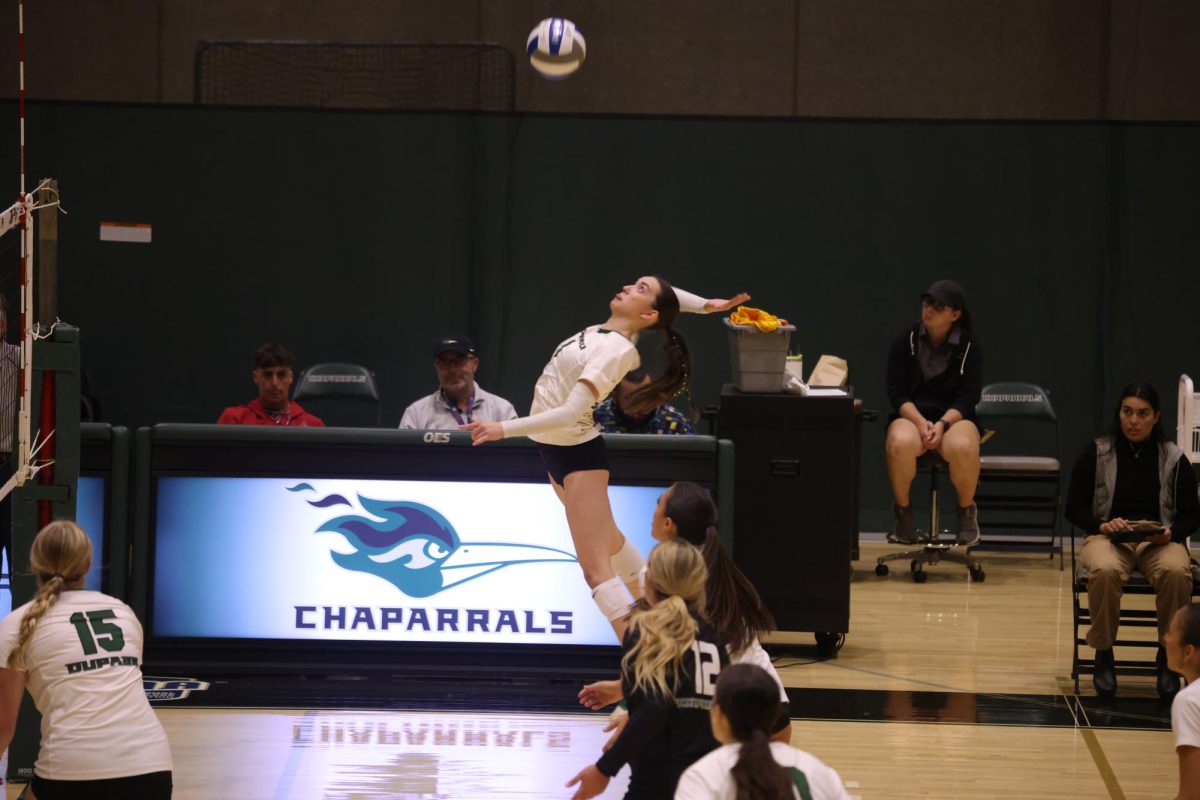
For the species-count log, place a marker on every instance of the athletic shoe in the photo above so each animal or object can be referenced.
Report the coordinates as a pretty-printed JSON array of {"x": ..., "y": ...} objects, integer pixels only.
[
  {"x": 905, "y": 529},
  {"x": 968, "y": 526}
]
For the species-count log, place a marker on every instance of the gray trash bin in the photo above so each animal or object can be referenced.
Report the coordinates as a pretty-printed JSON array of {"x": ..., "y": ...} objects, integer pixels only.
[{"x": 758, "y": 359}]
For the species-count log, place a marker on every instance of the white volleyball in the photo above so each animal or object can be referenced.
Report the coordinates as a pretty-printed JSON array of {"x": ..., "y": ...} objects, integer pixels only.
[{"x": 556, "y": 48}]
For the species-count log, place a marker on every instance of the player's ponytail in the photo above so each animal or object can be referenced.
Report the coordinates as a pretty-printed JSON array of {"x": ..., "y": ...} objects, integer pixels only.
[
  {"x": 60, "y": 558},
  {"x": 731, "y": 602},
  {"x": 678, "y": 371},
  {"x": 749, "y": 700},
  {"x": 675, "y": 584}
]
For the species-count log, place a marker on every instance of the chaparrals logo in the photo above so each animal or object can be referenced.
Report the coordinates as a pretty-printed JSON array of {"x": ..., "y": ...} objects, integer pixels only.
[
  {"x": 158, "y": 689},
  {"x": 414, "y": 547}
]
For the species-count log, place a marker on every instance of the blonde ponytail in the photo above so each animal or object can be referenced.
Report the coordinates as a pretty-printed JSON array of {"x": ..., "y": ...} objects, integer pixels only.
[
  {"x": 666, "y": 630},
  {"x": 60, "y": 557}
]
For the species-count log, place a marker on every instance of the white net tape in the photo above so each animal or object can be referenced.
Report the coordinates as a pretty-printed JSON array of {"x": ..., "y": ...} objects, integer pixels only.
[{"x": 11, "y": 217}]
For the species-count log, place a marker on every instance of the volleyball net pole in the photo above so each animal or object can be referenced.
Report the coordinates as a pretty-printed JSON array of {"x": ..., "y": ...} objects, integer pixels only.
[
  {"x": 43, "y": 437},
  {"x": 29, "y": 434},
  {"x": 20, "y": 216}
]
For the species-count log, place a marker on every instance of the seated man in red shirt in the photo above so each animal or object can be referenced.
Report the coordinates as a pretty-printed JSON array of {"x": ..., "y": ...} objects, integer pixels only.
[{"x": 273, "y": 375}]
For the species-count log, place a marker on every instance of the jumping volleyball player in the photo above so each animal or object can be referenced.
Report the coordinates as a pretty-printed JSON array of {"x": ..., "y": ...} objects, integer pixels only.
[
  {"x": 582, "y": 372},
  {"x": 79, "y": 653}
]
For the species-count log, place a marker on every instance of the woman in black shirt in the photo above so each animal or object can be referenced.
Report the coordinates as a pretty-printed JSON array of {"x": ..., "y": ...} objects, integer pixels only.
[
  {"x": 1133, "y": 494},
  {"x": 934, "y": 379}
]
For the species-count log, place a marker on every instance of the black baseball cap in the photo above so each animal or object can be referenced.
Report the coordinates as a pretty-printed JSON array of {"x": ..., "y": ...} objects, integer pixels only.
[
  {"x": 948, "y": 293},
  {"x": 454, "y": 344}
]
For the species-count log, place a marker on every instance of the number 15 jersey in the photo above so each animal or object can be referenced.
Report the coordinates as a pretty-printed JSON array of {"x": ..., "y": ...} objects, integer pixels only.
[{"x": 83, "y": 669}]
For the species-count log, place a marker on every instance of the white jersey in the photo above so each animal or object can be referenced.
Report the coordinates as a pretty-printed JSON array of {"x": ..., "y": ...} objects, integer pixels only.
[
  {"x": 1185, "y": 716},
  {"x": 756, "y": 655},
  {"x": 600, "y": 356},
  {"x": 710, "y": 778},
  {"x": 83, "y": 669}
]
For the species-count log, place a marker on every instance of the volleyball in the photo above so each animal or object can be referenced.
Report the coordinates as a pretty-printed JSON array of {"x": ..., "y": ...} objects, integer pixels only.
[{"x": 556, "y": 48}]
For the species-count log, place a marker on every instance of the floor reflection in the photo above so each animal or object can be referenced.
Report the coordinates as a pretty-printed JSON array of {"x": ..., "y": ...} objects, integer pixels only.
[{"x": 429, "y": 756}]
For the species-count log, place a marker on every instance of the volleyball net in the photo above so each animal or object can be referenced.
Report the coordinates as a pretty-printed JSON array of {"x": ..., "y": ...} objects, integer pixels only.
[
  {"x": 448, "y": 76},
  {"x": 17, "y": 440}
]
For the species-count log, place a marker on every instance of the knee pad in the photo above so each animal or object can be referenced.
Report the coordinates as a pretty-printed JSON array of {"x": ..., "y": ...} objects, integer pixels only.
[
  {"x": 627, "y": 562},
  {"x": 613, "y": 599}
]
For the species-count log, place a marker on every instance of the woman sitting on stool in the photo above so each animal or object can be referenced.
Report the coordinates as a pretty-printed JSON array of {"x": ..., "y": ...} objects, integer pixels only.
[
  {"x": 934, "y": 378},
  {"x": 1129, "y": 475}
]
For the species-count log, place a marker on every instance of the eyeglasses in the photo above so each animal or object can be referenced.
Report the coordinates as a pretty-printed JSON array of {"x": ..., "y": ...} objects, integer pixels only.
[{"x": 934, "y": 303}]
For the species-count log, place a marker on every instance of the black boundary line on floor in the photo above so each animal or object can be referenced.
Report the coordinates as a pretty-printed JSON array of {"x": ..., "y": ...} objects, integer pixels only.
[
  {"x": 1121, "y": 712},
  {"x": 971, "y": 708},
  {"x": 534, "y": 695}
]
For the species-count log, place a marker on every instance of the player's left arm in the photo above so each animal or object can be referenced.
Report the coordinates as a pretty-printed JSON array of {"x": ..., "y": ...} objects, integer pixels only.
[{"x": 12, "y": 686}]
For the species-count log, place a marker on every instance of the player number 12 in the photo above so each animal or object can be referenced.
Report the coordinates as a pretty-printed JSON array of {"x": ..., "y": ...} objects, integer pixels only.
[{"x": 708, "y": 664}]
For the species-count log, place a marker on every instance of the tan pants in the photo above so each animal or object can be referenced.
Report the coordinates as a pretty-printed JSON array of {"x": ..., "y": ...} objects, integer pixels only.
[{"x": 1108, "y": 566}]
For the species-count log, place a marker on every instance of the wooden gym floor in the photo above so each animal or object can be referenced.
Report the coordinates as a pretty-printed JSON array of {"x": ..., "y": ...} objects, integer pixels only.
[{"x": 943, "y": 689}]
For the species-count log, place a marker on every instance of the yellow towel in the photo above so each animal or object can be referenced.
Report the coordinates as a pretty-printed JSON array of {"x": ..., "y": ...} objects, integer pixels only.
[{"x": 765, "y": 321}]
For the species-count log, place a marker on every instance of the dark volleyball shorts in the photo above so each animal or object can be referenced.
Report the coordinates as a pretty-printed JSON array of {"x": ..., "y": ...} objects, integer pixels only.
[
  {"x": 562, "y": 460},
  {"x": 150, "y": 786}
]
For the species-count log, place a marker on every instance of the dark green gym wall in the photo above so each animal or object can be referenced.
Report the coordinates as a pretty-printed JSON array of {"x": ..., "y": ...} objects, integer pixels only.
[
  {"x": 861, "y": 59},
  {"x": 361, "y": 236}
]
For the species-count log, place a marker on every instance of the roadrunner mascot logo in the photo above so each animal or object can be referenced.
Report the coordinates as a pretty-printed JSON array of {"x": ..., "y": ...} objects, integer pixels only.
[{"x": 414, "y": 547}]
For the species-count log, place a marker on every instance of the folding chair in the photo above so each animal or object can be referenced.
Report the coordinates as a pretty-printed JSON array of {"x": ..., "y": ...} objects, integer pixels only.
[
  {"x": 1019, "y": 489},
  {"x": 342, "y": 395}
]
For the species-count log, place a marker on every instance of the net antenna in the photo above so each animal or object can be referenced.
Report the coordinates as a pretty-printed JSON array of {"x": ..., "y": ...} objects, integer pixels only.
[{"x": 19, "y": 217}]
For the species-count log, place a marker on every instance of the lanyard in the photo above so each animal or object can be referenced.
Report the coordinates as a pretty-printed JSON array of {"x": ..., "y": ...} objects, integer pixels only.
[{"x": 453, "y": 409}]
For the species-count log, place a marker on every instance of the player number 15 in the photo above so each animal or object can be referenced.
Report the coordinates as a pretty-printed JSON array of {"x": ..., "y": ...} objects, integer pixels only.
[{"x": 93, "y": 630}]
